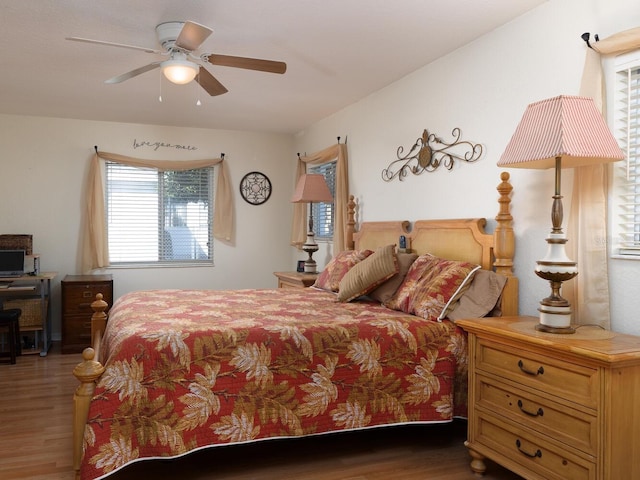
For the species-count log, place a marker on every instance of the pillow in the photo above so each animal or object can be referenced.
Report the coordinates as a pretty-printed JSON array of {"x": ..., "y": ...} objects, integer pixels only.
[
  {"x": 329, "y": 278},
  {"x": 481, "y": 297},
  {"x": 462, "y": 289},
  {"x": 368, "y": 274},
  {"x": 429, "y": 285},
  {"x": 386, "y": 290}
]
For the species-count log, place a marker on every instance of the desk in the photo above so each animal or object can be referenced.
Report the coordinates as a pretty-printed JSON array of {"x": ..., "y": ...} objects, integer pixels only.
[{"x": 31, "y": 287}]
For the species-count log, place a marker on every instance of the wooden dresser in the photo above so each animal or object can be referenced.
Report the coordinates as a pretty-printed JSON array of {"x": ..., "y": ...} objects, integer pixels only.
[
  {"x": 78, "y": 292},
  {"x": 295, "y": 279},
  {"x": 550, "y": 406}
]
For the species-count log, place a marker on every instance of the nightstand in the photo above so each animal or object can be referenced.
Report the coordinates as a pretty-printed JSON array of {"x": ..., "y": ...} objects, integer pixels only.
[
  {"x": 553, "y": 406},
  {"x": 78, "y": 292},
  {"x": 295, "y": 279}
]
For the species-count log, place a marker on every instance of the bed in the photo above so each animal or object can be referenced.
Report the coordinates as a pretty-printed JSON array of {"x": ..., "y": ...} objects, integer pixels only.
[{"x": 371, "y": 344}]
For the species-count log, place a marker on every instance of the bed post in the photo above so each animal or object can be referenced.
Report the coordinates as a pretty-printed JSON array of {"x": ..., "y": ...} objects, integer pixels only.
[
  {"x": 504, "y": 247},
  {"x": 87, "y": 373},
  {"x": 351, "y": 222},
  {"x": 98, "y": 321}
]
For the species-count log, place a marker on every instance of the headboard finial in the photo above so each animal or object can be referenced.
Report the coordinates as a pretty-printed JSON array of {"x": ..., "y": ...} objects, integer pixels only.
[{"x": 504, "y": 240}]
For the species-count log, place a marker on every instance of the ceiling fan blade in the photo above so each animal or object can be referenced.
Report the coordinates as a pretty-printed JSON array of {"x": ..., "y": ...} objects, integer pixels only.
[
  {"x": 245, "y": 62},
  {"x": 192, "y": 35},
  {"x": 112, "y": 44},
  {"x": 133, "y": 73},
  {"x": 207, "y": 81}
]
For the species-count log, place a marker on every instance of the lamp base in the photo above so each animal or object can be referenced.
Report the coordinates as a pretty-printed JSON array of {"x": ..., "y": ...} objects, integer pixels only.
[
  {"x": 549, "y": 329},
  {"x": 310, "y": 247},
  {"x": 555, "y": 315},
  {"x": 310, "y": 266}
]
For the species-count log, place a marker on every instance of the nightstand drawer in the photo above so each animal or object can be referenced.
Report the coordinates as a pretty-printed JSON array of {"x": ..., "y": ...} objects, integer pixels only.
[
  {"x": 78, "y": 297},
  {"x": 568, "y": 381},
  {"x": 540, "y": 458},
  {"x": 570, "y": 425},
  {"x": 77, "y": 330}
]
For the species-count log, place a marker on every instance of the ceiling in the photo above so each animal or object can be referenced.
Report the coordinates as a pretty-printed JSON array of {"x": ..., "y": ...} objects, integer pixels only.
[{"x": 337, "y": 52}]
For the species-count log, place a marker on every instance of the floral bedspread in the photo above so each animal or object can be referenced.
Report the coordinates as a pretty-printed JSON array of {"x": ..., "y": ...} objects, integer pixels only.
[{"x": 187, "y": 369}]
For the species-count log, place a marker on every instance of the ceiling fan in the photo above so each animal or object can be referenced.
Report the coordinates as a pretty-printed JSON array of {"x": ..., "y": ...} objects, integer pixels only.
[{"x": 179, "y": 41}]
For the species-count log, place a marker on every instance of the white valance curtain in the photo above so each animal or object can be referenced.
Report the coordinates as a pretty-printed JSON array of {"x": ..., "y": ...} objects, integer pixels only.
[
  {"x": 337, "y": 152},
  {"x": 587, "y": 226},
  {"x": 95, "y": 251}
]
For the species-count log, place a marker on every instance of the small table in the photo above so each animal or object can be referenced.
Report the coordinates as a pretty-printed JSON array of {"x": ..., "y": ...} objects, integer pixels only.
[{"x": 295, "y": 279}]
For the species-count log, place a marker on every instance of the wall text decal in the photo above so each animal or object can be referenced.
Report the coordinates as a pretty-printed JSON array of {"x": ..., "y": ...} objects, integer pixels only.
[{"x": 157, "y": 145}]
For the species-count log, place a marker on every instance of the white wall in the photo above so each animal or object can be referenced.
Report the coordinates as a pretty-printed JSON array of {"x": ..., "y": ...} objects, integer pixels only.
[
  {"x": 43, "y": 168},
  {"x": 483, "y": 88}
]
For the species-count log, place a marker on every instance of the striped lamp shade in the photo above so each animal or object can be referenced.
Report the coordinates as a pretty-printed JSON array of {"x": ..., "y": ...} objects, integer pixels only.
[{"x": 566, "y": 127}]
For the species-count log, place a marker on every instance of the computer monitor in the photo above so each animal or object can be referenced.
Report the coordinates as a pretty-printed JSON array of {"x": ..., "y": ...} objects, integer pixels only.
[{"x": 11, "y": 263}]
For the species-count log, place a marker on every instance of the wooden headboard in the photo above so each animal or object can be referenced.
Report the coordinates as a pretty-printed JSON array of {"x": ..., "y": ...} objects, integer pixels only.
[{"x": 455, "y": 239}]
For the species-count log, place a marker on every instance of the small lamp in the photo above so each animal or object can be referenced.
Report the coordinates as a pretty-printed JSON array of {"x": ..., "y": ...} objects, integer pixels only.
[
  {"x": 560, "y": 132},
  {"x": 311, "y": 188},
  {"x": 178, "y": 69}
]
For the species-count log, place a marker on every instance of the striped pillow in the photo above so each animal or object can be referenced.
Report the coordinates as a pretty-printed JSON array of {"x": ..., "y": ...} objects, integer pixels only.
[
  {"x": 368, "y": 274},
  {"x": 340, "y": 264}
]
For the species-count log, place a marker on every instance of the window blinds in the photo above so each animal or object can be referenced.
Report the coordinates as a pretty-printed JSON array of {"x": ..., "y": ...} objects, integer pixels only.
[
  {"x": 158, "y": 217},
  {"x": 628, "y": 174},
  {"x": 323, "y": 213}
]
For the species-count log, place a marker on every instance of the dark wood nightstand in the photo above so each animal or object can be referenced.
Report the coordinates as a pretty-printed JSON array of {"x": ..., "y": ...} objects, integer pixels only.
[
  {"x": 295, "y": 279},
  {"x": 78, "y": 292}
]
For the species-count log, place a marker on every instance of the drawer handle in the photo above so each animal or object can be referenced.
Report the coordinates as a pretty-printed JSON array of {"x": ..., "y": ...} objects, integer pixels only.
[
  {"x": 540, "y": 370},
  {"x": 539, "y": 413},
  {"x": 538, "y": 453}
]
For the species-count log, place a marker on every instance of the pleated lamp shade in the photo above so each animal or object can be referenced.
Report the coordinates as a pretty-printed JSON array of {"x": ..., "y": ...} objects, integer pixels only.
[
  {"x": 567, "y": 127},
  {"x": 312, "y": 188}
]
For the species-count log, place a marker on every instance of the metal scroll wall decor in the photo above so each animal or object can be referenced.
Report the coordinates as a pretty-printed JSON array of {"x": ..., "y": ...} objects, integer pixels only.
[{"x": 430, "y": 152}]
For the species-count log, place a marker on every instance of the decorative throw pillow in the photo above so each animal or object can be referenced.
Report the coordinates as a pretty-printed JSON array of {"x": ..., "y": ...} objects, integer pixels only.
[
  {"x": 481, "y": 297},
  {"x": 462, "y": 289},
  {"x": 429, "y": 285},
  {"x": 338, "y": 266},
  {"x": 386, "y": 290},
  {"x": 368, "y": 274}
]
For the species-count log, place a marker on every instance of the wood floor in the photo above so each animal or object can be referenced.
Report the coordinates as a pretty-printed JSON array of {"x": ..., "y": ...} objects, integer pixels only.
[{"x": 35, "y": 442}]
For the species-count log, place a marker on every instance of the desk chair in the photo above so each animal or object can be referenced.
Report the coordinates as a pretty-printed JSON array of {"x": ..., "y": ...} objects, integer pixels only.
[{"x": 10, "y": 319}]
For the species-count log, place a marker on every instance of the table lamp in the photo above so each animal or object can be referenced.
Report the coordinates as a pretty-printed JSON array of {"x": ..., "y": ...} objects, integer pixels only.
[
  {"x": 311, "y": 188},
  {"x": 560, "y": 132}
]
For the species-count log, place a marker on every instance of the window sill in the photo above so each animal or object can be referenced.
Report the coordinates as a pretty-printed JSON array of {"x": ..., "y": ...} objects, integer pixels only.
[
  {"x": 617, "y": 256},
  {"x": 161, "y": 265}
]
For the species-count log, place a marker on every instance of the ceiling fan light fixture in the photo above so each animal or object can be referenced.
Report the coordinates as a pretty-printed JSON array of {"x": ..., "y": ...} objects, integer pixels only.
[{"x": 179, "y": 71}]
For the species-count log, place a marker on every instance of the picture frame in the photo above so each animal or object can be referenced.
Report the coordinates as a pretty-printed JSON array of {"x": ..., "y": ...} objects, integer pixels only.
[{"x": 300, "y": 266}]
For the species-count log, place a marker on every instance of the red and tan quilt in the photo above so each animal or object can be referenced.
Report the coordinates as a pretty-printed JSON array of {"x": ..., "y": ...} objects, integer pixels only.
[{"x": 196, "y": 368}]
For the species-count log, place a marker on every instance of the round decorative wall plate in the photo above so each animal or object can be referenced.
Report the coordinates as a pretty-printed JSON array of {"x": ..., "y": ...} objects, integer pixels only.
[{"x": 255, "y": 188}]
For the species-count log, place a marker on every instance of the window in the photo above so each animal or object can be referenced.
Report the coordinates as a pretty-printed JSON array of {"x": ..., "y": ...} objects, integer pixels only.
[
  {"x": 156, "y": 217},
  {"x": 626, "y": 224},
  {"x": 323, "y": 216}
]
